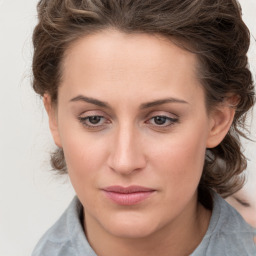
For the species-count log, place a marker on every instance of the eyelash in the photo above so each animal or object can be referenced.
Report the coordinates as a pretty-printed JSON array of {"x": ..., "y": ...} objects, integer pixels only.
[
  {"x": 171, "y": 121},
  {"x": 84, "y": 120}
]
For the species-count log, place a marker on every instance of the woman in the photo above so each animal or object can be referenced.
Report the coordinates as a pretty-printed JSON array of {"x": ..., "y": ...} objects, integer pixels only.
[
  {"x": 144, "y": 99},
  {"x": 244, "y": 200}
]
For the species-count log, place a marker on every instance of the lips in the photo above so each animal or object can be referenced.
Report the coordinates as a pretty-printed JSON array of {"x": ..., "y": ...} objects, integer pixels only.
[{"x": 128, "y": 195}]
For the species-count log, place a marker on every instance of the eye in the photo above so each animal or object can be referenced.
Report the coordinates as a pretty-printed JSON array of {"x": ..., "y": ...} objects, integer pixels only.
[
  {"x": 162, "y": 121},
  {"x": 93, "y": 121},
  {"x": 243, "y": 202}
]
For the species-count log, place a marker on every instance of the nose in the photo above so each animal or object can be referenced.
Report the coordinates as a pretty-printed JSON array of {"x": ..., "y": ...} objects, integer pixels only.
[{"x": 127, "y": 154}]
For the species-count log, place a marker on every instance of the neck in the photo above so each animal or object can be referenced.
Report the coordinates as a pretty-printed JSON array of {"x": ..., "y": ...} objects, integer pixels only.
[{"x": 180, "y": 237}]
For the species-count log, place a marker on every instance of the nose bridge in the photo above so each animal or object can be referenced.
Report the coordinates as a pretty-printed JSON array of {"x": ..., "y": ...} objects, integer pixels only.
[{"x": 127, "y": 152}]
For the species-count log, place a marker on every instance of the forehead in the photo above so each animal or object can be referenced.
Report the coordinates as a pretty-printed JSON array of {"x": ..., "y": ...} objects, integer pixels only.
[
  {"x": 112, "y": 59},
  {"x": 138, "y": 48}
]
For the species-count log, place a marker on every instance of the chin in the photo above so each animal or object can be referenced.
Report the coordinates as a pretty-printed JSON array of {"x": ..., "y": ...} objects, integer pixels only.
[{"x": 130, "y": 228}]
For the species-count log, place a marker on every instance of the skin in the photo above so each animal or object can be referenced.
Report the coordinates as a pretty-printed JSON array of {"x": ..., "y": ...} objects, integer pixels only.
[{"x": 128, "y": 147}]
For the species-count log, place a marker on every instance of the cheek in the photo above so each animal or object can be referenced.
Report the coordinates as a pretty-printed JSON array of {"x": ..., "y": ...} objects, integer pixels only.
[
  {"x": 84, "y": 168},
  {"x": 180, "y": 161},
  {"x": 84, "y": 154},
  {"x": 185, "y": 151}
]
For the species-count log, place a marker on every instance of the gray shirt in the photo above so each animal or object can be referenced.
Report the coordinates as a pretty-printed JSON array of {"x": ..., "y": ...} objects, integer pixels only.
[{"x": 227, "y": 235}]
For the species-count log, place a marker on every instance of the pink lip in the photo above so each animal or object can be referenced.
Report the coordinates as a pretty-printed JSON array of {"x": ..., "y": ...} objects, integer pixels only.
[{"x": 128, "y": 195}]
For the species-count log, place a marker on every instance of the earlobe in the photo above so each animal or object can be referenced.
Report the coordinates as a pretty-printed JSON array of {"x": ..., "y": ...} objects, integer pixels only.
[
  {"x": 221, "y": 120},
  {"x": 52, "y": 115}
]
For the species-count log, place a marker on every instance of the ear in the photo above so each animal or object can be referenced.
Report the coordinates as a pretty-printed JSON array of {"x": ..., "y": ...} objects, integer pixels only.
[
  {"x": 221, "y": 119},
  {"x": 52, "y": 115}
]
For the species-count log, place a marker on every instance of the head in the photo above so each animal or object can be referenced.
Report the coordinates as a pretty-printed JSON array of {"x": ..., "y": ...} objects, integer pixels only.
[
  {"x": 244, "y": 200},
  {"x": 159, "y": 88}
]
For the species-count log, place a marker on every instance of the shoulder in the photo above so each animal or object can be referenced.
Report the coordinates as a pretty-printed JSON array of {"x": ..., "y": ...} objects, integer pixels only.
[
  {"x": 228, "y": 234},
  {"x": 62, "y": 238}
]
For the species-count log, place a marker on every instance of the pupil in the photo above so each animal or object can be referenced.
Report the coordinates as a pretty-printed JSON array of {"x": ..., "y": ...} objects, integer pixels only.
[
  {"x": 160, "y": 120},
  {"x": 94, "y": 119}
]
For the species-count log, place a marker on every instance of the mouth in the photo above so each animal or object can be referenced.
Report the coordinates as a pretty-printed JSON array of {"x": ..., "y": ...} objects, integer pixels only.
[{"x": 131, "y": 195}]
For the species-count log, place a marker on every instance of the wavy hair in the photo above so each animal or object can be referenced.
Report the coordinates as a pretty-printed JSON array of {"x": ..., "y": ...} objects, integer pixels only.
[{"x": 212, "y": 29}]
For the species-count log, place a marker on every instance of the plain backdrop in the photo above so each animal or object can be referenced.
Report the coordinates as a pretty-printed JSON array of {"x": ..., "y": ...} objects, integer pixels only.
[{"x": 31, "y": 196}]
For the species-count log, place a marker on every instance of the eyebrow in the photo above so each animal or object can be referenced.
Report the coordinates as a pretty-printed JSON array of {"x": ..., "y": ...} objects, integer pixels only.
[
  {"x": 142, "y": 106},
  {"x": 161, "y": 102},
  {"x": 91, "y": 101}
]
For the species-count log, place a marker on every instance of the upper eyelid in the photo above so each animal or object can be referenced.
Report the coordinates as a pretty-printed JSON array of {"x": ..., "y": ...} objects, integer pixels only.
[
  {"x": 162, "y": 113},
  {"x": 147, "y": 116},
  {"x": 168, "y": 117},
  {"x": 90, "y": 113}
]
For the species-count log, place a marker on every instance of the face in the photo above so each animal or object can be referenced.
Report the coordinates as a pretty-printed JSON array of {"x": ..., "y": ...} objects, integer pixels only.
[{"x": 132, "y": 122}]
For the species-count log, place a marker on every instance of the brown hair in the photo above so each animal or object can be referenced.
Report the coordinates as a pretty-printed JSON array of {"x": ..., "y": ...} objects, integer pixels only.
[{"x": 213, "y": 29}]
